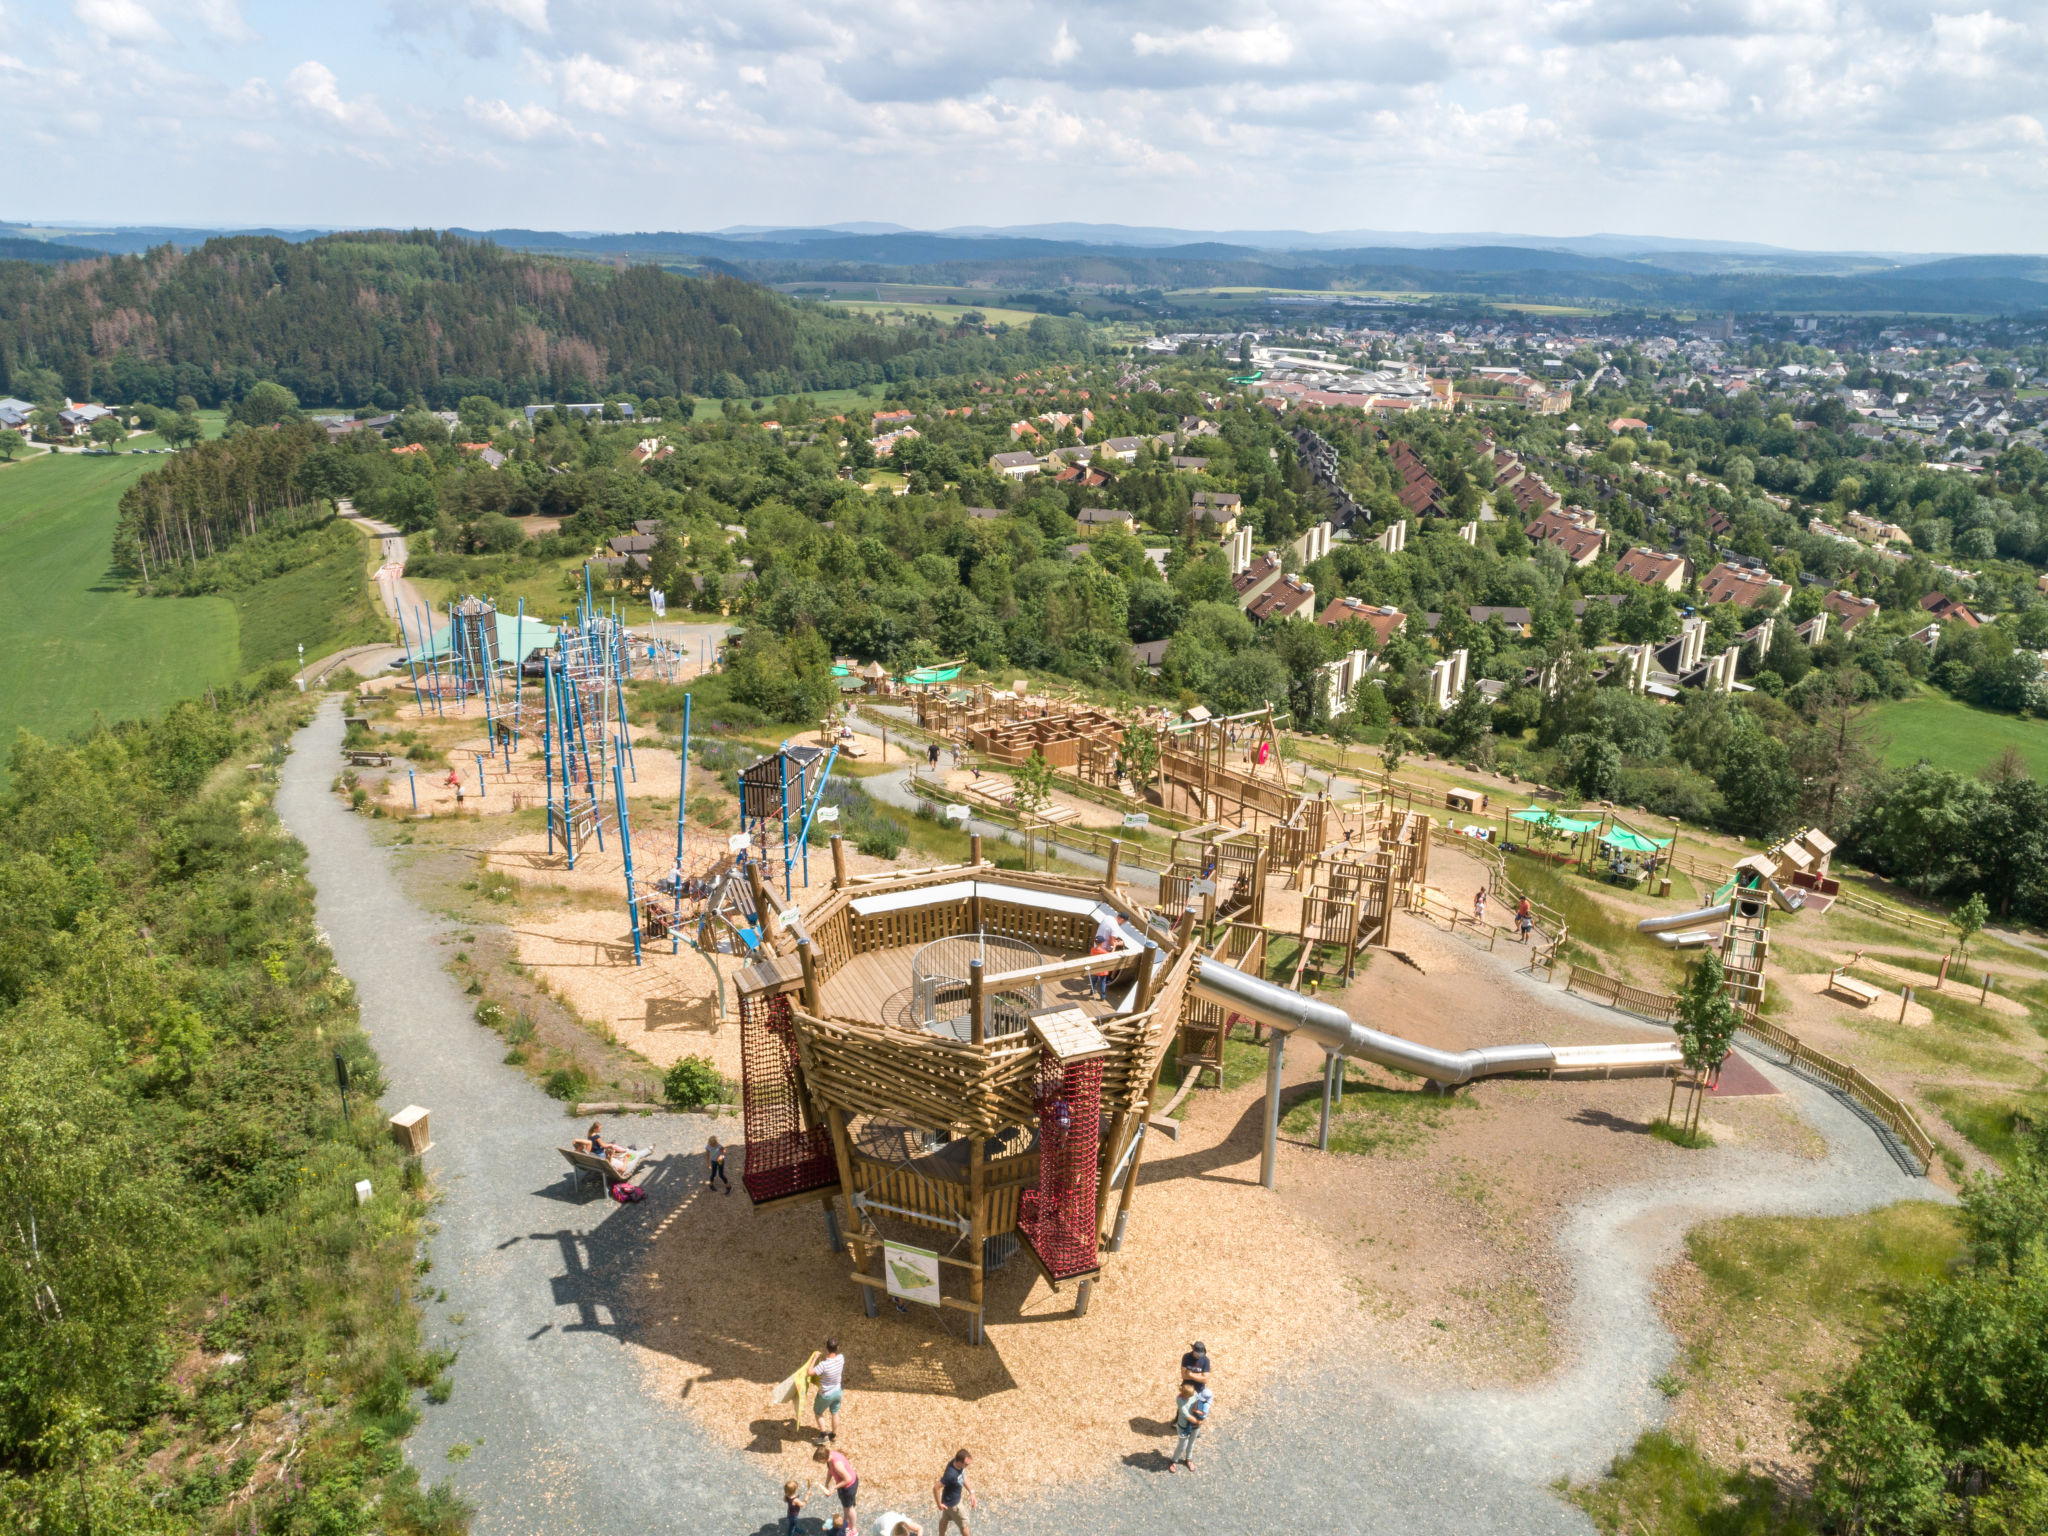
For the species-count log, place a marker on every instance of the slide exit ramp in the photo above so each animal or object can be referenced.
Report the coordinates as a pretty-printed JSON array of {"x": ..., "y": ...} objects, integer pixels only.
[{"x": 1288, "y": 1013}]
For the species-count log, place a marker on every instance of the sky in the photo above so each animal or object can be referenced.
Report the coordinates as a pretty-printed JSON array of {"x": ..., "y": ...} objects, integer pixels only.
[{"x": 1817, "y": 124}]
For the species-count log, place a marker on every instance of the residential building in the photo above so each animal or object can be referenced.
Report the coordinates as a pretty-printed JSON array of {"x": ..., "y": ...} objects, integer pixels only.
[
  {"x": 1742, "y": 584},
  {"x": 1384, "y": 622},
  {"x": 1190, "y": 463},
  {"x": 1124, "y": 448},
  {"x": 1342, "y": 677},
  {"x": 1572, "y": 530},
  {"x": 1016, "y": 465},
  {"x": 1849, "y": 609},
  {"x": 1095, "y": 519},
  {"x": 1655, "y": 568},
  {"x": 1288, "y": 598},
  {"x": 1251, "y": 582},
  {"x": 588, "y": 408},
  {"x": 1945, "y": 608}
]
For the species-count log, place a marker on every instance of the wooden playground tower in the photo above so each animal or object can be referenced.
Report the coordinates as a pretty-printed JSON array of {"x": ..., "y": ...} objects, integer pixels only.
[{"x": 914, "y": 1055}]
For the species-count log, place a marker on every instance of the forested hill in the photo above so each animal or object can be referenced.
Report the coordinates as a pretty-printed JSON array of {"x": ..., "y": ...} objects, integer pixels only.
[{"x": 350, "y": 319}]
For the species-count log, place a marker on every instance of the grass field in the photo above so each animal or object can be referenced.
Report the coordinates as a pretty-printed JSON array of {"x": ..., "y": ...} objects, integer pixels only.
[
  {"x": 1954, "y": 735},
  {"x": 888, "y": 307},
  {"x": 323, "y": 606},
  {"x": 77, "y": 642},
  {"x": 830, "y": 401}
]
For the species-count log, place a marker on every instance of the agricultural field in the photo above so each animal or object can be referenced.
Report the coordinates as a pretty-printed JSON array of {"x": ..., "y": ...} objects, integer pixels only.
[
  {"x": 78, "y": 643},
  {"x": 895, "y": 308},
  {"x": 1950, "y": 734}
]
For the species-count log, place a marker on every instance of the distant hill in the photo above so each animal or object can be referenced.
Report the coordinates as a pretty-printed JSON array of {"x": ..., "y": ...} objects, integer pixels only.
[
  {"x": 13, "y": 248},
  {"x": 383, "y": 318}
]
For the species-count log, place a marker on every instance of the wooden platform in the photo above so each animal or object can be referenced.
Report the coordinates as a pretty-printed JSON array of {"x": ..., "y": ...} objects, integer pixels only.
[{"x": 875, "y": 988}]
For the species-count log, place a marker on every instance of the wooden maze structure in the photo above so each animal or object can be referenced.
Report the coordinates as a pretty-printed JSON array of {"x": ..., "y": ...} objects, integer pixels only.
[
  {"x": 1196, "y": 779},
  {"x": 976, "y": 1118}
]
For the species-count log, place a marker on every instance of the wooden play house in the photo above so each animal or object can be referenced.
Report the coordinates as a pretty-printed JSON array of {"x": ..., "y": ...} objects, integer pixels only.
[{"x": 926, "y": 1054}]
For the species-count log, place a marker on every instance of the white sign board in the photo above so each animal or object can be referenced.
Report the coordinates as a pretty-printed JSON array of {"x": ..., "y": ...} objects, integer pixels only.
[
  {"x": 956, "y": 813},
  {"x": 788, "y": 916},
  {"x": 827, "y": 813},
  {"x": 913, "y": 1273},
  {"x": 739, "y": 842},
  {"x": 1202, "y": 888},
  {"x": 1137, "y": 819}
]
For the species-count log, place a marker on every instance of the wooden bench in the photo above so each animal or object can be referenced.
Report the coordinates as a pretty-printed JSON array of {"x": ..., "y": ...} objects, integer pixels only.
[
  {"x": 1845, "y": 986},
  {"x": 584, "y": 1165},
  {"x": 369, "y": 759}
]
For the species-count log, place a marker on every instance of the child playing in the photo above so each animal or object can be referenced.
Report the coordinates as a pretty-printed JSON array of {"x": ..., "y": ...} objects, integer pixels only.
[
  {"x": 714, "y": 1163},
  {"x": 792, "y": 1507}
]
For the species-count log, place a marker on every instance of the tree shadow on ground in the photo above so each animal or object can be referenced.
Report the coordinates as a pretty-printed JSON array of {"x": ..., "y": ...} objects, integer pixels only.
[{"x": 1608, "y": 1120}]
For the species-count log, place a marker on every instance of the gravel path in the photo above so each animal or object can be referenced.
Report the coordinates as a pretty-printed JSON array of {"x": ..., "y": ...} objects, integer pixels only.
[{"x": 563, "y": 1435}]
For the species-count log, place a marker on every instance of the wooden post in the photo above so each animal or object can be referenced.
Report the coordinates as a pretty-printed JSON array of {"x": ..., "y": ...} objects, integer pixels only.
[
  {"x": 755, "y": 884},
  {"x": 1258, "y": 912},
  {"x": 977, "y": 1218},
  {"x": 842, "y": 1149},
  {"x": 812, "y": 1005},
  {"x": 1116, "y": 853},
  {"x": 1276, "y": 1063},
  {"x": 1942, "y": 975},
  {"x": 1148, "y": 974},
  {"x": 977, "y": 1003},
  {"x": 1905, "y": 997},
  {"x": 974, "y": 847},
  {"x": 838, "y": 862},
  {"x": 1331, "y": 1065},
  {"x": 1984, "y": 991}
]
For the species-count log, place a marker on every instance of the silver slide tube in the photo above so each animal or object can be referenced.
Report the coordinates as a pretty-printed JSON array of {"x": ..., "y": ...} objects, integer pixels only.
[
  {"x": 1291, "y": 1013},
  {"x": 1672, "y": 921}
]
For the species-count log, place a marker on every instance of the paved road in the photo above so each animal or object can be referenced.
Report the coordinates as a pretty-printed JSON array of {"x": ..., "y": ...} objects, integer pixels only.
[{"x": 566, "y": 1440}]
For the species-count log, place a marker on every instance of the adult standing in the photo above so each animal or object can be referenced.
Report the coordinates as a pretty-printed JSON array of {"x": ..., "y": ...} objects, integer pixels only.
[
  {"x": 842, "y": 1479},
  {"x": 1189, "y": 1417},
  {"x": 1194, "y": 1365},
  {"x": 829, "y": 1375},
  {"x": 953, "y": 1495}
]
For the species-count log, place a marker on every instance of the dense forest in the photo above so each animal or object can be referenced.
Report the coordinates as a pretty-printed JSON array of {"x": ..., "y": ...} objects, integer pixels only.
[
  {"x": 385, "y": 319},
  {"x": 197, "y": 1328}
]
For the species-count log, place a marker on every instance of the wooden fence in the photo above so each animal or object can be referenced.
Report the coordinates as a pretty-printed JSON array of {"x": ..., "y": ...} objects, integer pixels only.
[
  {"x": 1658, "y": 1007},
  {"x": 1877, "y": 1102}
]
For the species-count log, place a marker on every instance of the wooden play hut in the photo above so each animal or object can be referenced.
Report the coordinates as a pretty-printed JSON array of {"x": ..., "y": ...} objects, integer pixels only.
[{"x": 925, "y": 1055}]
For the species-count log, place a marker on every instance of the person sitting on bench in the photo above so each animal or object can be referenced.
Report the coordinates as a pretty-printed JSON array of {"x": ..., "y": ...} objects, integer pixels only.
[{"x": 611, "y": 1152}]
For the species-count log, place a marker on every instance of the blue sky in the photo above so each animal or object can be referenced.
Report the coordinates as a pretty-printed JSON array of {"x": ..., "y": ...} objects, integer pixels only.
[{"x": 1815, "y": 123}]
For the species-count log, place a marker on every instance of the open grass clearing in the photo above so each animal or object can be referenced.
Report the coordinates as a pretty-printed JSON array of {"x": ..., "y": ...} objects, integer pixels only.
[
  {"x": 1986, "y": 1118},
  {"x": 1374, "y": 1117},
  {"x": 1958, "y": 736},
  {"x": 78, "y": 642}
]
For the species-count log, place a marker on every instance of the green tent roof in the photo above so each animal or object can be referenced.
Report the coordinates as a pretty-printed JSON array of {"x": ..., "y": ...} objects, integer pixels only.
[
  {"x": 1633, "y": 842},
  {"x": 931, "y": 674},
  {"x": 1555, "y": 822},
  {"x": 512, "y": 637}
]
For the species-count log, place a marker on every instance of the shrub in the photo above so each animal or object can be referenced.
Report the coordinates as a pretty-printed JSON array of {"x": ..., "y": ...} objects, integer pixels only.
[
  {"x": 693, "y": 1082},
  {"x": 570, "y": 1082}
]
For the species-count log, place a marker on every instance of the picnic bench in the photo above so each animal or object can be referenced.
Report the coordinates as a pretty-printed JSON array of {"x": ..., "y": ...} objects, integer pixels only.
[
  {"x": 1847, "y": 987},
  {"x": 369, "y": 759},
  {"x": 584, "y": 1164}
]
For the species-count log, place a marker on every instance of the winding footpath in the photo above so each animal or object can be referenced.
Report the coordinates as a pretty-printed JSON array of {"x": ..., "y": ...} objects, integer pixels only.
[{"x": 564, "y": 1437}]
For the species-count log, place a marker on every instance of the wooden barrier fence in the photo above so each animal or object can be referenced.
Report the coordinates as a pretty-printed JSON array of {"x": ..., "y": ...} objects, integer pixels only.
[{"x": 1655, "y": 1006}]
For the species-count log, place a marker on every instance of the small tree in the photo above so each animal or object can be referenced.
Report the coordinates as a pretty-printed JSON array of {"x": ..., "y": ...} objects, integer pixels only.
[
  {"x": 11, "y": 443},
  {"x": 1139, "y": 751},
  {"x": 106, "y": 432},
  {"x": 1394, "y": 748},
  {"x": 1968, "y": 921},
  {"x": 1033, "y": 778},
  {"x": 1706, "y": 1031}
]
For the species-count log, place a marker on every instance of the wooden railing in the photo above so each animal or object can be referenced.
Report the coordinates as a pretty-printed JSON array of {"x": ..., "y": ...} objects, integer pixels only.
[
  {"x": 1135, "y": 855},
  {"x": 1658, "y": 1007},
  {"x": 1889, "y": 912},
  {"x": 1878, "y": 1102}
]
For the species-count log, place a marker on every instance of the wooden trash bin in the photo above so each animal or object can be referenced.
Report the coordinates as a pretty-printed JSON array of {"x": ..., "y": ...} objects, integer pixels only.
[{"x": 409, "y": 1130}]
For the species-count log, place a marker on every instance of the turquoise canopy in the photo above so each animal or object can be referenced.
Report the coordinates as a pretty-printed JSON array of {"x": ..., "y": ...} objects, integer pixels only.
[
  {"x": 1633, "y": 842},
  {"x": 1555, "y": 822},
  {"x": 512, "y": 637}
]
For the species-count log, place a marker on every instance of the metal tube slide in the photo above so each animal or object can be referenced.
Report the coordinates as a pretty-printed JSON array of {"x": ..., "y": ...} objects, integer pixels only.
[
  {"x": 1332, "y": 1029},
  {"x": 1699, "y": 938},
  {"x": 1676, "y": 920}
]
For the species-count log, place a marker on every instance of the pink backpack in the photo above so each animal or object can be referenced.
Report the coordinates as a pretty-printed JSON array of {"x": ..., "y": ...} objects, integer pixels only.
[{"x": 627, "y": 1194}]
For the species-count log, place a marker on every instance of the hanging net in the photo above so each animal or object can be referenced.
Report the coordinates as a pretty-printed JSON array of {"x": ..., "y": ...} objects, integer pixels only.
[
  {"x": 783, "y": 1157},
  {"x": 1058, "y": 1217}
]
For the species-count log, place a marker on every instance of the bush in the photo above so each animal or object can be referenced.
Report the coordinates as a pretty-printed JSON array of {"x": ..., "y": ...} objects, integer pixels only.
[
  {"x": 568, "y": 1083},
  {"x": 880, "y": 842},
  {"x": 693, "y": 1082}
]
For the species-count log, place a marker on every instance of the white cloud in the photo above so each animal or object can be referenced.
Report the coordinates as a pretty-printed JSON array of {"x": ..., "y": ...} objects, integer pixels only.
[
  {"x": 224, "y": 19},
  {"x": 532, "y": 123},
  {"x": 1267, "y": 45},
  {"x": 120, "y": 21},
  {"x": 318, "y": 93}
]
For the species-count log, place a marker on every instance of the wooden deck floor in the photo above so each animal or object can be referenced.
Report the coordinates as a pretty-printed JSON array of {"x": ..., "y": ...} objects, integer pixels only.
[{"x": 875, "y": 988}]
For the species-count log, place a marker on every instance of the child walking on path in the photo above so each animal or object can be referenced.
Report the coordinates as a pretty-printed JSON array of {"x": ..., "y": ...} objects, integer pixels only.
[{"x": 714, "y": 1163}]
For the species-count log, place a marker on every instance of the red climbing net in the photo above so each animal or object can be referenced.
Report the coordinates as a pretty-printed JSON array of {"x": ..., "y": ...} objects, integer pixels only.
[
  {"x": 1058, "y": 1217},
  {"x": 782, "y": 1157}
]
